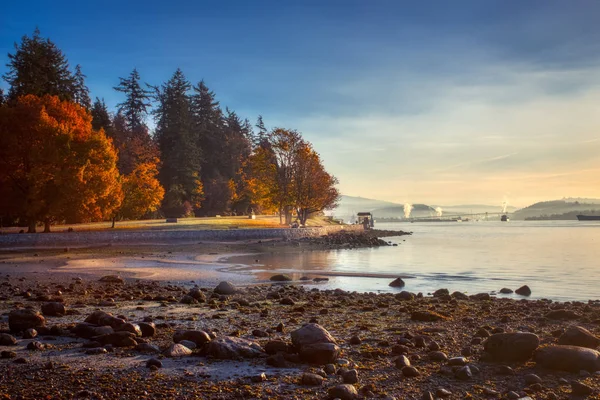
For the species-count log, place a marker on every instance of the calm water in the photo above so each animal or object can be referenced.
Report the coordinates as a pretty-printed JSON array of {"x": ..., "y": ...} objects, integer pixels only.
[{"x": 557, "y": 259}]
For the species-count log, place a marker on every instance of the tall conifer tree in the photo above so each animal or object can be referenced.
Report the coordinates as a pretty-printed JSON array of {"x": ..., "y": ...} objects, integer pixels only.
[{"x": 82, "y": 93}]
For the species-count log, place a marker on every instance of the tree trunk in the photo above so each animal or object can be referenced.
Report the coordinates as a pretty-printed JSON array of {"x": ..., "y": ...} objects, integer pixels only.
[
  {"x": 113, "y": 222},
  {"x": 46, "y": 225},
  {"x": 288, "y": 215},
  {"x": 280, "y": 216},
  {"x": 31, "y": 228}
]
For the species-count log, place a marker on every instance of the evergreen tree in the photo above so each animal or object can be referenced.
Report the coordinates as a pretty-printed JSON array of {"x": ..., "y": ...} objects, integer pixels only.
[
  {"x": 39, "y": 67},
  {"x": 137, "y": 101},
  {"x": 261, "y": 137},
  {"x": 82, "y": 93},
  {"x": 1, "y": 96},
  {"x": 174, "y": 134},
  {"x": 101, "y": 117}
]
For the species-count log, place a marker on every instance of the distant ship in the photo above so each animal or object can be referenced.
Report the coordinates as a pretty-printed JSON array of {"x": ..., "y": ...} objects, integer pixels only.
[{"x": 588, "y": 217}]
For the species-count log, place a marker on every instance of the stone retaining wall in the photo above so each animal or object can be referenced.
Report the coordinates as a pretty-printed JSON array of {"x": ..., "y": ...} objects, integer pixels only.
[{"x": 102, "y": 238}]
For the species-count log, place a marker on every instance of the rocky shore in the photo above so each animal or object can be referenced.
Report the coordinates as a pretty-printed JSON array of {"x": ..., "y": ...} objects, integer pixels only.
[{"x": 114, "y": 338}]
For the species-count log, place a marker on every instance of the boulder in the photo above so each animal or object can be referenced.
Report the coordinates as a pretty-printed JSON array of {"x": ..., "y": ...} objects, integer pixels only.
[
  {"x": 225, "y": 288},
  {"x": 200, "y": 338},
  {"x": 398, "y": 282},
  {"x": 177, "y": 350},
  {"x": 568, "y": 358},
  {"x": 343, "y": 392},
  {"x": 25, "y": 318},
  {"x": 511, "y": 346},
  {"x": 188, "y": 300},
  {"x": 578, "y": 336},
  {"x": 506, "y": 291},
  {"x": 129, "y": 327},
  {"x": 281, "y": 278},
  {"x": 232, "y": 348},
  {"x": 481, "y": 296},
  {"x": 405, "y": 296},
  {"x": 197, "y": 295},
  {"x": 523, "y": 291},
  {"x": 459, "y": 296},
  {"x": 53, "y": 309},
  {"x": 309, "y": 379},
  {"x": 319, "y": 353},
  {"x": 117, "y": 339},
  {"x": 441, "y": 293},
  {"x": 7, "y": 340},
  {"x": 426, "y": 316},
  {"x": 311, "y": 334},
  {"x": 148, "y": 329},
  {"x": 276, "y": 346},
  {"x": 87, "y": 331}
]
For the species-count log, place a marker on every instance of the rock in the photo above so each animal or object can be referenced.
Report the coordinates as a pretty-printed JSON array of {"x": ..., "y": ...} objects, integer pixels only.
[
  {"x": 523, "y": 291},
  {"x": 464, "y": 373},
  {"x": 281, "y": 278},
  {"x": 441, "y": 293},
  {"x": 506, "y": 291},
  {"x": 188, "y": 300},
  {"x": 441, "y": 392},
  {"x": 354, "y": 340},
  {"x": 112, "y": 279},
  {"x": 286, "y": 301},
  {"x": 350, "y": 376},
  {"x": 513, "y": 346},
  {"x": 578, "y": 336},
  {"x": 457, "y": 361},
  {"x": 53, "y": 309},
  {"x": 481, "y": 296},
  {"x": 277, "y": 360},
  {"x": 343, "y": 392},
  {"x": 427, "y": 396},
  {"x": 405, "y": 296},
  {"x": 25, "y": 318},
  {"x": 402, "y": 362},
  {"x": 226, "y": 288},
  {"x": 319, "y": 353},
  {"x": 580, "y": 389},
  {"x": 7, "y": 340},
  {"x": 276, "y": 346},
  {"x": 8, "y": 354},
  {"x": 262, "y": 377},
  {"x": 35, "y": 346},
  {"x": 148, "y": 329},
  {"x": 309, "y": 379},
  {"x": 568, "y": 358},
  {"x": 96, "y": 351},
  {"x": 197, "y": 295},
  {"x": 118, "y": 339},
  {"x": 532, "y": 378},
  {"x": 153, "y": 362},
  {"x": 198, "y": 337},
  {"x": 505, "y": 370},
  {"x": 460, "y": 296},
  {"x": 311, "y": 334},
  {"x": 232, "y": 348},
  {"x": 87, "y": 331},
  {"x": 177, "y": 350},
  {"x": 437, "y": 356},
  {"x": 129, "y": 327},
  {"x": 398, "y": 282},
  {"x": 426, "y": 316},
  {"x": 189, "y": 344},
  {"x": 562, "y": 315},
  {"x": 30, "y": 333},
  {"x": 147, "y": 348},
  {"x": 410, "y": 372}
]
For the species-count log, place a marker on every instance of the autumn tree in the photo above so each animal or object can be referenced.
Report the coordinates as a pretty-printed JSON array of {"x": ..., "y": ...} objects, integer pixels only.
[
  {"x": 39, "y": 67},
  {"x": 55, "y": 163},
  {"x": 142, "y": 191}
]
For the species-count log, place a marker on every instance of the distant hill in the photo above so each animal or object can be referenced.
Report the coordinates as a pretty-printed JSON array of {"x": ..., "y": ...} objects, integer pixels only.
[
  {"x": 569, "y": 206},
  {"x": 350, "y": 205},
  {"x": 417, "y": 211}
]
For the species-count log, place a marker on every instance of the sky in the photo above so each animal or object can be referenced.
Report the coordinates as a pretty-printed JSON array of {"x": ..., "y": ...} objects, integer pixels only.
[{"x": 437, "y": 102}]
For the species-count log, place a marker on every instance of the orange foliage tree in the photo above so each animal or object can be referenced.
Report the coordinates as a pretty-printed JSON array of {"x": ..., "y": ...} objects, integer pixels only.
[
  {"x": 55, "y": 163},
  {"x": 142, "y": 191}
]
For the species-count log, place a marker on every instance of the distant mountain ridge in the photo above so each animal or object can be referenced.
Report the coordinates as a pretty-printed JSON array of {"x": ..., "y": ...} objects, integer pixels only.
[{"x": 570, "y": 206}]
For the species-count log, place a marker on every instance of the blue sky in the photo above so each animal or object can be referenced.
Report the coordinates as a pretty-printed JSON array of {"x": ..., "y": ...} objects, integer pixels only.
[{"x": 432, "y": 101}]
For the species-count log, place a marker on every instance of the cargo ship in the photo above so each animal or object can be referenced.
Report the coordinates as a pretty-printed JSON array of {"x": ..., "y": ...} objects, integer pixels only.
[{"x": 588, "y": 217}]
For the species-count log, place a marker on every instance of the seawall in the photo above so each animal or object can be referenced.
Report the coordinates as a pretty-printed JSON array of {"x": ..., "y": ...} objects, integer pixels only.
[{"x": 104, "y": 238}]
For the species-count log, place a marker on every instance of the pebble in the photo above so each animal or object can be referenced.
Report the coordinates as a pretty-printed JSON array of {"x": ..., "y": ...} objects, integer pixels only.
[
  {"x": 350, "y": 376},
  {"x": 226, "y": 288},
  {"x": 402, "y": 362},
  {"x": 262, "y": 377},
  {"x": 410, "y": 371},
  {"x": 153, "y": 362},
  {"x": 343, "y": 392},
  {"x": 309, "y": 379},
  {"x": 177, "y": 350},
  {"x": 7, "y": 340},
  {"x": 532, "y": 378},
  {"x": 464, "y": 373}
]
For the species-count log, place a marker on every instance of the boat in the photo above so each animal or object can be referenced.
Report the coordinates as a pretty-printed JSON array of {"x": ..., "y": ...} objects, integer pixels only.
[{"x": 588, "y": 217}]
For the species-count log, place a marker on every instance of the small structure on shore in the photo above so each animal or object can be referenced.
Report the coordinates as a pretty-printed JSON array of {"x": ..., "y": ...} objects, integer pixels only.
[{"x": 365, "y": 219}]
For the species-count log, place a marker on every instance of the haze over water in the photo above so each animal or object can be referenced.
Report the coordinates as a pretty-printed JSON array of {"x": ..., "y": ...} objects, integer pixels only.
[{"x": 557, "y": 259}]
